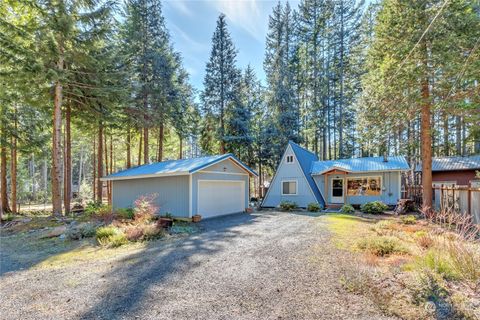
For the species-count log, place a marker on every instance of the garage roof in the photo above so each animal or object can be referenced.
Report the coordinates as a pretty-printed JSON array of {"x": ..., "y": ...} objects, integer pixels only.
[
  {"x": 454, "y": 163},
  {"x": 174, "y": 167}
]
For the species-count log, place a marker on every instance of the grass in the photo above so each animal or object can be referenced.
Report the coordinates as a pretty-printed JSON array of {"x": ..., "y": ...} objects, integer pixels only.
[
  {"x": 404, "y": 264},
  {"x": 347, "y": 229}
]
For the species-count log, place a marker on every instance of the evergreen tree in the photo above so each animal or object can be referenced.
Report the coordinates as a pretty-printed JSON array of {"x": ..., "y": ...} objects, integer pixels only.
[
  {"x": 278, "y": 69},
  {"x": 221, "y": 80}
]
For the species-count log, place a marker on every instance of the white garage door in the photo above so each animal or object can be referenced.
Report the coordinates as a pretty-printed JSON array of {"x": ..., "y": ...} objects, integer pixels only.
[{"x": 216, "y": 198}]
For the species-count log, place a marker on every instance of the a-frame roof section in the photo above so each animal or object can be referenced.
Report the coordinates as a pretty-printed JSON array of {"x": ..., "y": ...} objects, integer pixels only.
[{"x": 306, "y": 159}]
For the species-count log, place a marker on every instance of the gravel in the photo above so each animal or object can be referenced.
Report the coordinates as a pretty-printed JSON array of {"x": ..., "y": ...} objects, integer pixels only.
[{"x": 269, "y": 265}]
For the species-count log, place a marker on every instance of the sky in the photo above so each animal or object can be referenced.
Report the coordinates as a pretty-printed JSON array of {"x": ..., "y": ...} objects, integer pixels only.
[{"x": 192, "y": 22}]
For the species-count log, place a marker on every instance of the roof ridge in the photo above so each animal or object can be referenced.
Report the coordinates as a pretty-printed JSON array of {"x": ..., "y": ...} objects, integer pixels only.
[{"x": 304, "y": 149}]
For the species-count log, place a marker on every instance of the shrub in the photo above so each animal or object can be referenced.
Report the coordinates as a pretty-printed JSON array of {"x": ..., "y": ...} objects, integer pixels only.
[
  {"x": 92, "y": 207},
  {"x": 374, "y": 207},
  {"x": 288, "y": 205},
  {"x": 410, "y": 219},
  {"x": 134, "y": 233},
  {"x": 347, "y": 209},
  {"x": 168, "y": 215},
  {"x": 425, "y": 241},
  {"x": 115, "y": 240},
  {"x": 126, "y": 213},
  {"x": 382, "y": 245},
  {"x": 313, "y": 207},
  {"x": 110, "y": 237},
  {"x": 145, "y": 208},
  {"x": 465, "y": 260},
  {"x": 439, "y": 262},
  {"x": 104, "y": 213},
  {"x": 8, "y": 217},
  {"x": 105, "y": 232},
  {"x": 152, "y": 232}
]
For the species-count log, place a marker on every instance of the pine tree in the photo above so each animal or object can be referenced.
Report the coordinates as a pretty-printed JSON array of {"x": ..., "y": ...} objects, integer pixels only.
[
  {"x": 280, "y": 76},
  {"x": 221, "y": 80}
]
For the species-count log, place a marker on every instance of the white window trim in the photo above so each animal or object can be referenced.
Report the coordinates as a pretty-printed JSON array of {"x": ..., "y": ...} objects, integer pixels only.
[
  {"x": 289, "y": 162},
  {"x": 296, "y": 188},
  {"x": 366, "y": 195}
]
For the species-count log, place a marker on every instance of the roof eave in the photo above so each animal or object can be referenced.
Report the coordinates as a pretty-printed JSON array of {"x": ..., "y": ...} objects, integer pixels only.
[{"x": 142, "y": 176}]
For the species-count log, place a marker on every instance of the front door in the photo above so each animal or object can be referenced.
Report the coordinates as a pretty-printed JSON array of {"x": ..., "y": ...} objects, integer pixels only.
[{"x": 337, "y": 190}]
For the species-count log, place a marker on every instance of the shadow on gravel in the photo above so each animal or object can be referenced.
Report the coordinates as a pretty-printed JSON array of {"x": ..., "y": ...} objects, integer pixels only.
[{"x": 130, "y": 282}]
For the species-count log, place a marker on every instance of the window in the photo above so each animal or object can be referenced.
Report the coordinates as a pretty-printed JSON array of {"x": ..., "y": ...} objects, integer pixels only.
[
  {"x": 289, "y": 187},
  {"x": 364, "y": 186},
  {"x": 290, "y": 159}
]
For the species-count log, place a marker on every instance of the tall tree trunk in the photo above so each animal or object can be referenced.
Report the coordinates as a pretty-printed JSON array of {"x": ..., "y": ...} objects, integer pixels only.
[
  {"x": 80, "y": 169},
  {"x": 464, "y": 137},
  {"x": 3, "y": 177},
  {"x": 129, "y": 148},
  {"x": 140, "y": 142},
  {"x": 146, "y": 158},
  {"x": 94, "y": 167},
  {"x": 160, "y": 142},
  {"x": 446, "y": 147},
  {"x": 13, "y": 164},
  {"x": 110, "y": 171},
  {"x": 100, "y": 163},
  {"x": 56, "y": 141},
  {"x": 106, "y": 167},
  {"x": 340, "y": 111},
  {"x": 426, "y": 142},
  {"x": 67, "y": 196},
  {"x": 180, "y": 153},
  {"x": 458, "y": 135}
]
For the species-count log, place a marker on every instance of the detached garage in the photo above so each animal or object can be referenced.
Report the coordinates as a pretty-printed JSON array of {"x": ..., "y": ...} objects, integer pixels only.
[{"x": 208, "y": 186}]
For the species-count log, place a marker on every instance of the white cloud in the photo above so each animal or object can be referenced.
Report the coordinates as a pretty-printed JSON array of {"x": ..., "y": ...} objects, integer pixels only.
[
  {"x": 245, "y": 14},
  {"x": 187, "y": 40},
  {"x": 181, "y": 6}
]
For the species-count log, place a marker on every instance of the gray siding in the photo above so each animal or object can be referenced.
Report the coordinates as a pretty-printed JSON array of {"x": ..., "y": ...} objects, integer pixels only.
[
  {"x": 227, "y": 166},
  {"x": 289, "y": 171},
  {"x": 216, "y": 176},
  {"x": 390, "y": 183},
  {"x": 172, "y": 193}
]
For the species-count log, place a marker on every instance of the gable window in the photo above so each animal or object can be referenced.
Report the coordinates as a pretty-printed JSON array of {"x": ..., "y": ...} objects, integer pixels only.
[
  {"x": 289, "y": 159},
  {"x": 289, "y": 187},
  {"x": 364, "y": 186}
]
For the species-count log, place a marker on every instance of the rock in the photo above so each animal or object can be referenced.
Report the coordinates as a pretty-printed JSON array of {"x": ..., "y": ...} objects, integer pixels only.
[
  {"x": 62, "y": 236},
  {"x": 55, "y": 232}
]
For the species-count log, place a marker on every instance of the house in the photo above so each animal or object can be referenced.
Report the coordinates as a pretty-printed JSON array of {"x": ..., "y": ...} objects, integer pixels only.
[
  {"x": 209, "y": 186},
  {"x": 454, "y": 170},
  {"x": 303, "y": 179}
]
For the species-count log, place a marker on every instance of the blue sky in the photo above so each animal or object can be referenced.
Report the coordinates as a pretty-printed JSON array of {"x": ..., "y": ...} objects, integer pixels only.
[{"x": 192, "y": 22}]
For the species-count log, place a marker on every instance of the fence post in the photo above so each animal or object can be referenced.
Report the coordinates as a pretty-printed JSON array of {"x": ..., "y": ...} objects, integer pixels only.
[
  {"x": 441, "y": 197},
  {"x": 469, "y": 198}
]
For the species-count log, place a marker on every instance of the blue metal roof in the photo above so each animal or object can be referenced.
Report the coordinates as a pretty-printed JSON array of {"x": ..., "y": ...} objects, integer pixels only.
[
  {"x": 454, "y": 163},
  {"x": 305, "y": 158},
  {"x": 183, "y": 166},
  {"x": 366, "y": 164}
]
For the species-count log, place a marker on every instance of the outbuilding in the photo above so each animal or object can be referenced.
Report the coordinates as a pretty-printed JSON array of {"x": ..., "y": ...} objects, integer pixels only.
[
  {"x": 209, "y": 186},
  {"x": 455, "y": 170}
]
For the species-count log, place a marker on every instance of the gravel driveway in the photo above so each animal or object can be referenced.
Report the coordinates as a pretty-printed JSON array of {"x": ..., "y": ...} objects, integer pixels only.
[{"x": 269, "y": 265}]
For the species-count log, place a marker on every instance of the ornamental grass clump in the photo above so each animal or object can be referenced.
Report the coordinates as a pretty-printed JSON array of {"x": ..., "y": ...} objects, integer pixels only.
[
  {"x": 381, "y": 245},
  {"x": 111, "y": 237}
]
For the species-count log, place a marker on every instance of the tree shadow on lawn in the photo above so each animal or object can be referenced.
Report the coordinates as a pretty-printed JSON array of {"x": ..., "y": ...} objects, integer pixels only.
[
  {"x": 27, "y": 249},
  {"x": 135, "y": 274}
]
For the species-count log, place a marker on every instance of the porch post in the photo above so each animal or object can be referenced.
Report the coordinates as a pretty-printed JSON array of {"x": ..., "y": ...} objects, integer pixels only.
[
  {"x": 345, "y": 201},
  {"x": 326, "y": 190}
]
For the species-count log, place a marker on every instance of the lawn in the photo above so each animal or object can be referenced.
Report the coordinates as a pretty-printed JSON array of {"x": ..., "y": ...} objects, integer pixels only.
[{"x": 409, "y": 267}]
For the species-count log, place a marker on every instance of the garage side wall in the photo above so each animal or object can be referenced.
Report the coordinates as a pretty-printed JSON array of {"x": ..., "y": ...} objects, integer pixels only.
[
  {"x": 173, "y": 193},
  {"x": 216, "y": 176}
]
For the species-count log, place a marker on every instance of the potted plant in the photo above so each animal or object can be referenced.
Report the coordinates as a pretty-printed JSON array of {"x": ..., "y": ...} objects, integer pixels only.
[
  {"x": 196, "y": 218},
  {"x": 165, "y": 221}
]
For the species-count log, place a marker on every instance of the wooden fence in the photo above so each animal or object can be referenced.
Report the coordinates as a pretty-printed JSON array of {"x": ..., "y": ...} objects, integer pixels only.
[{"x": 461, "y": 199}]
